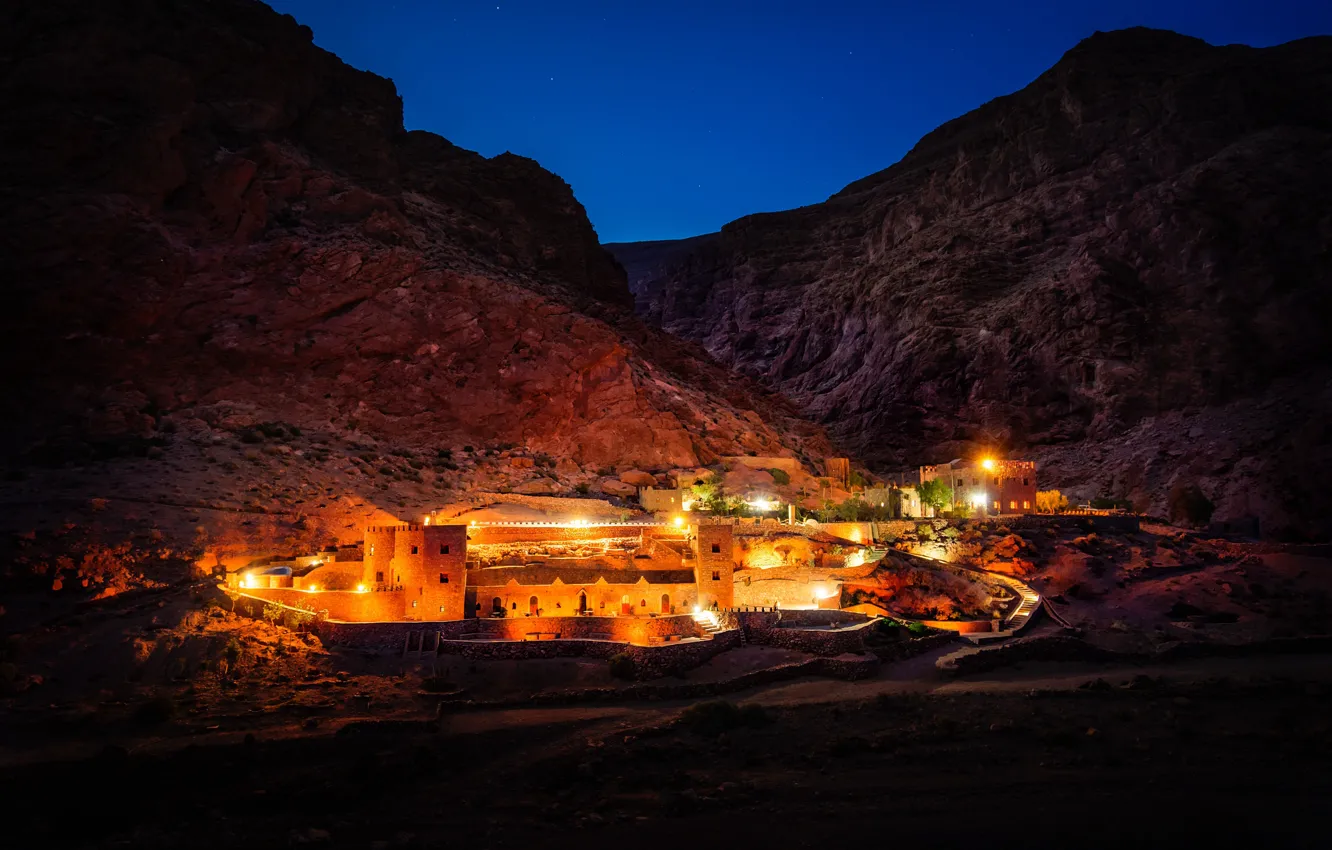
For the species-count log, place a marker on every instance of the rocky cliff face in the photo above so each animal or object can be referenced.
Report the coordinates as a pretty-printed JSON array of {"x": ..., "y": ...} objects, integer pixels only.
[
  {"x": 1140, "y": 237},
  {"x": 205, "y": 218}
]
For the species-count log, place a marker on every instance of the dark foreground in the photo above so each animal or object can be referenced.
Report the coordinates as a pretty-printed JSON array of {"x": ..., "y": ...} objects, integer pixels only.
[{"x": 1157, "y": 763}]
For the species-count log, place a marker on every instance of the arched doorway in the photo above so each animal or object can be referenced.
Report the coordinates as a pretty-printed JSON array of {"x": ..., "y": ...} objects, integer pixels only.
[
  {"x": 665, "y": 603},
  {"x": 497, "y": 607},
  {"x": 532, "y": 607},
  {"x": 582, "y": 602},
  {"x": 626, "y": 607}
]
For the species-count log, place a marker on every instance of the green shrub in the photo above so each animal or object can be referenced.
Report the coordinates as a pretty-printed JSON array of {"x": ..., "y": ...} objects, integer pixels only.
[
  {"x": 780, "y": 477},
  {"x": 925, "y": 531},
  {"x": 623, "y": 666},
  {"x": 917, "y": 629}
]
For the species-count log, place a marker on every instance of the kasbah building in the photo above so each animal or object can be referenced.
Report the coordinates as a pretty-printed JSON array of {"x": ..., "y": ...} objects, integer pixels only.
[{"x": 614, "y": 577}]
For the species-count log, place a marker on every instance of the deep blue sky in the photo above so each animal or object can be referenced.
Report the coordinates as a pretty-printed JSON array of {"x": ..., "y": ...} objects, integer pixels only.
[{"x": 672, "y": 118}]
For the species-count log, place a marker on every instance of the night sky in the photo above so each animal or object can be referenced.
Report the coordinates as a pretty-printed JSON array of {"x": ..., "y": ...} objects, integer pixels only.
[{"x": 672, "y": 118}]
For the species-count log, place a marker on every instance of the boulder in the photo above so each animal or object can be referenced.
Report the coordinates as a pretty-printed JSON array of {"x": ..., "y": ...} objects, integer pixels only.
[
  {"x": 537, "y": 487},
  {"x": 614, "y": 487},
  {"x": 638, "y": 478}
]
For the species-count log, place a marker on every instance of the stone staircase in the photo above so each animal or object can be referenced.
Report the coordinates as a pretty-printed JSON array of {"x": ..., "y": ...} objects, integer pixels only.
[{"x": 709, "y": 621}]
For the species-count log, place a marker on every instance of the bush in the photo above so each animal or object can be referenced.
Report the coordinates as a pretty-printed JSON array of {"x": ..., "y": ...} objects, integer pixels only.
[
  {"x": 582, "y": 488},
  {"x": 1050, "y": 501},
  {"x": 232, "y": 651},
  {"x": 925, "y": 531},
  {"x": 917, "y": 629},
  {"x": 156, "y": 710},
  {"x": 623, "y": 666},
  {"x": 780, "y": 477},
  {"x": 1187, "y": 503},
  {"x": 717, "y": 716}
]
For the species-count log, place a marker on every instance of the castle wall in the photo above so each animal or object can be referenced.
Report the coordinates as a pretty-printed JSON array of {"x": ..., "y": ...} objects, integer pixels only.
[
  {"x": 562, "y": 600},
  {"x": 347, "y": 605},
  {"x": 540, "y": 533},
  {"x": 791, "y": 589}
]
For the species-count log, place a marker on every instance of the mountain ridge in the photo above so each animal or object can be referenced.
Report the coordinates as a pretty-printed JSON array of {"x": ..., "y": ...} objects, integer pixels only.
[{"x": 1136, "y": 233}]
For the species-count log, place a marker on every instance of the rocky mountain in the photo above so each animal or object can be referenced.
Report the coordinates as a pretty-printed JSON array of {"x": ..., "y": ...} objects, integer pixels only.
[
  {"x": 1121, "y": 270},
  {"x": 206, "y": 219}
]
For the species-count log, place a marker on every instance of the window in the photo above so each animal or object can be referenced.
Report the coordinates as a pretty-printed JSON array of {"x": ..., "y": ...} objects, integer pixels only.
[
  {"x": 716, "y": 575},
  {"x": 1026, "y": 506},
  {"x": 975, "y": 482},
  {"x": 416, "y": 550},
  {"x": 959, "y": 482},
  {"x": 413, "y": 603},
  {"x": 716, "y": 547},
  {"x": 642, "y": 603},
  {"x": 515, "y": 606},
  {"x": 1012, "y": 506},
  {"x": 996, "y": 506},
  {"x": 443, "y": 578},
  {"x": 996, "y": 481},
  {"x": 441, "y": 609},
  {"x": 443, "y": 548},
  {"x": 379, "y": 577},
  {"x": 372, "y": 548},
  {"x": 1026, "y": 482},
  {"x": 476, "y": 607}
]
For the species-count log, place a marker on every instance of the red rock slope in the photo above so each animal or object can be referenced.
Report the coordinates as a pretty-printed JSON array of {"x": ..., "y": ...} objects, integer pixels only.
[{"x": 199, "y": 208}]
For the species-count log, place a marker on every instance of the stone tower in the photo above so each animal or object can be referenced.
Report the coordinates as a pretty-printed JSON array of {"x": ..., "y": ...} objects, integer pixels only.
[
  {"x": 379, "y": 550},
  {"x": 714, "y": 565},
  {"x": 443, "y": 588},
  {"x": 429, "y": 562}
]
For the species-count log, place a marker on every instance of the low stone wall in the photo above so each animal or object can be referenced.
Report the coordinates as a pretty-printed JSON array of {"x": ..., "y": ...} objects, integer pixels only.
[
  {"x": 811, "y": 641},
  {"x": 650, "y": 661},
  {"x": 620, "y": 631},
  {"x": 636, "y": 630},
  {"x": 385, "y": 637},
  {"x": 856, "y": 532},
  {"x": 821, "y": 618},
  {"x": 903, "y": 649}
]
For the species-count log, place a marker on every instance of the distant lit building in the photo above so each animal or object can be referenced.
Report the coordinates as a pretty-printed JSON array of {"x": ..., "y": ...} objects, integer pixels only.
[{"x": 990, "y": 487}]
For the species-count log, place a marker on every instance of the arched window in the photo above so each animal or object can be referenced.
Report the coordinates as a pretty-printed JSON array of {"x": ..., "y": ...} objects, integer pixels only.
[
  {"x": 665, "y": 603},
  {"x": 582, "y": 602},
  {"x": 497, "y": 604},
  {"x": 532, "y": 606}
]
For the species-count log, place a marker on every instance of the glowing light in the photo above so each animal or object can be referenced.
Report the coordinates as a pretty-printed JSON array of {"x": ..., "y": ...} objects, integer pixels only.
[
  {"x": 679, "y": 521},
  {"x": 314, "y": 588},
  {"x": 425, "y": 521},
  {"x": 360, "y": 588},
  {"x": 698, "y": 609},
  {"x": 246, "y": 581},
  {"x": 687, "y": 504},
  {"x": 825, "y": 593},
  {"x": 473, "y": 522},
  {"x": 762, "y": 504},
  {"x": 978, "y": 500},
  {"x": 987, "y": 463}
]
